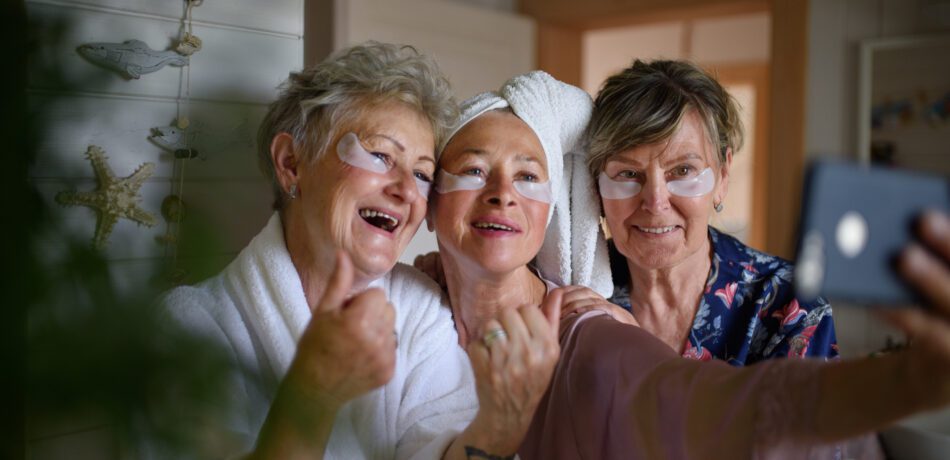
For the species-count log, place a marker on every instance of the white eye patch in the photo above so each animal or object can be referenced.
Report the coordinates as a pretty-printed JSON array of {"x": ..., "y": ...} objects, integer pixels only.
[
  {"x": 352, "y": 153},
  {"x": 423, "y": 187},
  {"x": 448, "y": 182},
  {"x": 617, "y": 189},
  {"x": 693, "y": 187},
  {"x": 537, "y": 191}
]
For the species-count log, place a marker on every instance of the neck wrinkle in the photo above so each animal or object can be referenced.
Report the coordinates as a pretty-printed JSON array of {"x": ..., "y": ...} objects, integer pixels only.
[
  {"x": 672, "y": 293},
  {"x": 314, "y": 263},
  {"x": 477, "y": 296}
]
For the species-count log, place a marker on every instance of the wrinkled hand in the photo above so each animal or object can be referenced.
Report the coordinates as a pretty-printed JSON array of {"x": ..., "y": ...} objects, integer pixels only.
[
  {"x": 580, "y": 299},
  {"x": 928, "y": 329},
  {"x": 348, "y": 347},
  {"x": 512, "y": 373},
  {"x": 431, "y": 265}
]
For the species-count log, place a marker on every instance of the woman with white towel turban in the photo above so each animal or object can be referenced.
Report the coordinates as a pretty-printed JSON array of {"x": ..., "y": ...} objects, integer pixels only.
[
  {"x": 505, "y": 176},
  {"x": 342, "y": 352}
]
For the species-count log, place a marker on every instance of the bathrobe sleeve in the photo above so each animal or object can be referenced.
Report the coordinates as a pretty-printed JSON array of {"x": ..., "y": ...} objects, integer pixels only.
[
  {"x": 438, "y": 399},
  {"x": 642, "y": 401}
]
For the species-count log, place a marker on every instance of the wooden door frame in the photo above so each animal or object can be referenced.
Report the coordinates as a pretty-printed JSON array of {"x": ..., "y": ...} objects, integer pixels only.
[
  {"x": 560, "y": 33},
  {"x": 756, "y": 75}
]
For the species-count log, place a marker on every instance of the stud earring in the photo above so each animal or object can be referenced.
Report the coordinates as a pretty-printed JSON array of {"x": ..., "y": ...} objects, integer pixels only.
[
  {"x": 292, "y": 193},
  {"x": 718, "y": 207}
]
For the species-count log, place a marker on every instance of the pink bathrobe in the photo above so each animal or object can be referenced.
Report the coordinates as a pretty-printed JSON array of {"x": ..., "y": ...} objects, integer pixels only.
[{"x": 619, "y": 392}]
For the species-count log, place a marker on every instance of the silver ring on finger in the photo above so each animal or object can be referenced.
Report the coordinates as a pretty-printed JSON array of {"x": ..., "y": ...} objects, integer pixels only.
[{"x": 494, "y": 335}]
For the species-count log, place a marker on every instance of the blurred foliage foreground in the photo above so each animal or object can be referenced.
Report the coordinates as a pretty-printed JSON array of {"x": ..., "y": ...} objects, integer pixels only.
[{"x": 79, "y": 353}]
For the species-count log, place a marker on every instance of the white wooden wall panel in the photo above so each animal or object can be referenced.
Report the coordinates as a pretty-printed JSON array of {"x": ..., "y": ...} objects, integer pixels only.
[
  {"x": 478, "y": 49},
  {"x": 279, "y": 16},
  {"x": 224, "y": 135},
  {"x": 234, "y": 210},
  {"x": 248, "y": 49},
  {"x": 233, "y": 64},
  {"x": 127, "y": 275}
]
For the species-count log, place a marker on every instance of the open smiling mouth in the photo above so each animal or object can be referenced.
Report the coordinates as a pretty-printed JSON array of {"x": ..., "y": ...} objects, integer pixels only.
[
  {"x": 656, "y": 230},
  {"x": 379, "y": 219},
  {"x": 493, "y": 226}
]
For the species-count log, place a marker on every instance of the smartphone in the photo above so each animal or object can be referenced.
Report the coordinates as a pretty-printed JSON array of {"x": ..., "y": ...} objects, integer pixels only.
[{"x": 855, "y": 221}]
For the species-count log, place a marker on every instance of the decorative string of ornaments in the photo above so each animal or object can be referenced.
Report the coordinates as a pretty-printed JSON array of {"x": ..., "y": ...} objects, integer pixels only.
[
  {"x": 180, "y": 141},
  {"x": 118, "y": 198}
]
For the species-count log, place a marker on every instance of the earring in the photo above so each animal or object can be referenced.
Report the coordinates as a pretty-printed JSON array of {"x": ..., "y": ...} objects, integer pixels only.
[
  {"x": 292, "y": 193},
  {"x": 718, "y": 206}
]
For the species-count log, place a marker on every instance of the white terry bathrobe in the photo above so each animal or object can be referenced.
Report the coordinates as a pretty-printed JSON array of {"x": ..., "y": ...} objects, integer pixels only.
[{"x": 257, "y": 310}]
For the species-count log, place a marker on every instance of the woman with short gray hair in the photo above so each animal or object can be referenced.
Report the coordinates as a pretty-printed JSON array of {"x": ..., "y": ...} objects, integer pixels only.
[
  {"x": 317, "y": 101},
  {"x": 343, "y": 353}
]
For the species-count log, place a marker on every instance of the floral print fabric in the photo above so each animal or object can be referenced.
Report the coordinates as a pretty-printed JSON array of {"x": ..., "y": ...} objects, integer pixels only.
[{"x": 748, "y": 311}]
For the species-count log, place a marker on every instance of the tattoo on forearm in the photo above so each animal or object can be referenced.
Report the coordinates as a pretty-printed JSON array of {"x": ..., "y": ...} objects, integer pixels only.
[{"x": 474, "y": 453}]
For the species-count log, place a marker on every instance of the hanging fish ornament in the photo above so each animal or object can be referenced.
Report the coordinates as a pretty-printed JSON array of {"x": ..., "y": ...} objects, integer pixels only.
[
  {"x": 169, "y": 138},
  {"x": 175, "y": 140},
  {"x": 132, "y": 58}
]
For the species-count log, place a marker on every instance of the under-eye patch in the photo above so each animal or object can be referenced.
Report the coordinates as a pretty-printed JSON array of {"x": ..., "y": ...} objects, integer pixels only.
[
  {"x": 693, "y": 187},
  {"x": 537, "y": 191},
  {"x": 448, "y": 182},
  {"x": 423, "y": 187},
  {"x": 617, "y": 189},
  {"x": 352, "y": 153}
]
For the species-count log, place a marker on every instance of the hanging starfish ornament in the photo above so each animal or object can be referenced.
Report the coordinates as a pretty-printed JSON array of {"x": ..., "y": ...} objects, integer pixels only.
[{"x": 113, "y": 199}]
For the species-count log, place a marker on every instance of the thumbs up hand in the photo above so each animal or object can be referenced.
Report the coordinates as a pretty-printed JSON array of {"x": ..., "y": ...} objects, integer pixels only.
[{"x": 349, "y": 347}]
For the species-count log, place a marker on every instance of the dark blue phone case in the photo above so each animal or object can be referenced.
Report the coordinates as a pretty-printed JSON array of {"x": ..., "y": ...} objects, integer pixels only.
[{"x": 840, "y": 199}]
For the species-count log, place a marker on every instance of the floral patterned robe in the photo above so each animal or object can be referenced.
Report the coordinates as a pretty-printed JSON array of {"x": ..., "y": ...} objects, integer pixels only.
[{"x": 748, "y": 311}]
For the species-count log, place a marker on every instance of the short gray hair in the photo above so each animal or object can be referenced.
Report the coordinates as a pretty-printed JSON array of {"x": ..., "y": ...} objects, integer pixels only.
[
  {"x": 645, "y": 103},
  {"x": 314, "y": 102}
]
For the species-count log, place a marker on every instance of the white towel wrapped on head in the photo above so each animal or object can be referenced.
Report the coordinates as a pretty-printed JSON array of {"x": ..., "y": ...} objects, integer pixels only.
[{"x": 574, "y": 249}]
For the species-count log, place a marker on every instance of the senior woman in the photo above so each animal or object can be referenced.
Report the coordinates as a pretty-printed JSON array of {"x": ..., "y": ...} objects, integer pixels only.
[
  {"x": 341, "y": 352},
  {"x": 662, "y": 136},
  {"x": 505, "y": 182}
]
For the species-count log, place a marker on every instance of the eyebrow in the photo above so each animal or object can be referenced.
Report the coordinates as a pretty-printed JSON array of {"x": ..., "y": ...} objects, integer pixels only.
[
  {"x": 685, "y": 156},
  {"x": 519, "y": 157},
  {"x": 527, "y": 159},
  {"x": 623, "y": 160},
  {"x": 472, "y": 151},
  {"x": 430, "y": 159},
  {"x": 390, "y": 139}
]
